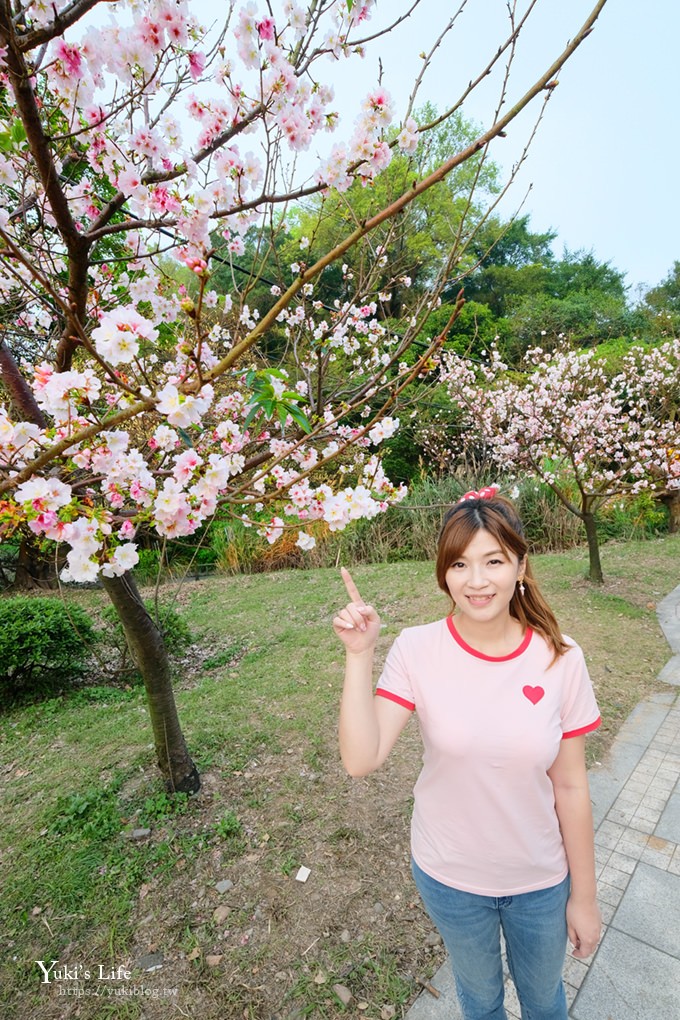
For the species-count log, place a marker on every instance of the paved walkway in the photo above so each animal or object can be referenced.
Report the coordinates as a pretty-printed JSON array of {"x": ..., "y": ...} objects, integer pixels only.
[{"x": 635, "y": 973}]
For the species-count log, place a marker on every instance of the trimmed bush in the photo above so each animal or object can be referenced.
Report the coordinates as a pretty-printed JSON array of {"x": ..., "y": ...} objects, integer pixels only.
[{"x": 44, "y": 644}]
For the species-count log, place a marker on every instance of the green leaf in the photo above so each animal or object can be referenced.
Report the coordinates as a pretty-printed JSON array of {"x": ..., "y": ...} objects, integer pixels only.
[
  {"x": 297, "y": 398},
  {"x": 18, "y": 132},
  {"x": 300, "y": 417},
  {"x": 250, "y": 416}
]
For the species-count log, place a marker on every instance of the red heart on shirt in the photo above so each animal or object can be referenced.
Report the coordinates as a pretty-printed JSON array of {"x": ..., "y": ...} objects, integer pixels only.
[{"x": 534, "y": 694}]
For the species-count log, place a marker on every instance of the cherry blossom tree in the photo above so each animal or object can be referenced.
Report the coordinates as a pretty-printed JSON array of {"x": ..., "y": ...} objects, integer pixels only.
[
  {"x": 137, "y": 397},
  {"x": 568, "y": 423}
]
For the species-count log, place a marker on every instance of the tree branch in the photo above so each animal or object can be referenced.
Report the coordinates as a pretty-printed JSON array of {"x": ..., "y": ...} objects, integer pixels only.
[{"x": 62, "y": 20}]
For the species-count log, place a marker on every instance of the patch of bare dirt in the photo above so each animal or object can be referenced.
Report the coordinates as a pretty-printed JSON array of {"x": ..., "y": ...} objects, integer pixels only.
[{"x": 242, "y": 937}]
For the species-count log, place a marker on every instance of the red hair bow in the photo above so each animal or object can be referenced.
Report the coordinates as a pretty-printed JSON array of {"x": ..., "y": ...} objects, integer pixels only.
[{"x": 488, "y": 492}]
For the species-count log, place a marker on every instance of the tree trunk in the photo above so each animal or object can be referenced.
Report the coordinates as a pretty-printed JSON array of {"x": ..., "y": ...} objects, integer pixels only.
[
  {"x": 148, "y": 648},
  {"x": 672, "y": 501},
  {"x": 595, "y": 572},
  {"x": 33, "y": 570}
]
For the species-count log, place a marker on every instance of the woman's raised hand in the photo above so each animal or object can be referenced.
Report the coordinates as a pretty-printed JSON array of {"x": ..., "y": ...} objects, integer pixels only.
[{"x": 357, "y": 625}]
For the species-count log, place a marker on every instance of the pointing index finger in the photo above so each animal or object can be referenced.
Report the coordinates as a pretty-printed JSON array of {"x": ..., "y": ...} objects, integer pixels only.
[{"x": 351, "y": 587}]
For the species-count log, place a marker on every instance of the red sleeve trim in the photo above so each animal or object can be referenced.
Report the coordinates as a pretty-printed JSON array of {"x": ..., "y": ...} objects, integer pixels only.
[
  {"x": 395, "y": 697},
  {"x": 584, "y": 729}
]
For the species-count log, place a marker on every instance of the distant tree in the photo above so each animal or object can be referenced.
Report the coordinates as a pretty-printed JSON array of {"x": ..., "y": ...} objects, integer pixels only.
[
  {"x": 579, "y": 431},
  {"x": 666, "y": 295},
  {"x": 662, "y": 304},
  {"x": 510, "y": 260},
  {"x": 407, "y": 254}
]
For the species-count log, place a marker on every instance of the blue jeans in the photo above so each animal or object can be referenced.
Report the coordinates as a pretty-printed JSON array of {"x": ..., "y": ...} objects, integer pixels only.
[{"x": 535, "y": 929}]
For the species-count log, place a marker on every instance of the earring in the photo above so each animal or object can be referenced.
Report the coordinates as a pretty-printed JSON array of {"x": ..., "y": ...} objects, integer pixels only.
[{"x": 521, "y": 585}]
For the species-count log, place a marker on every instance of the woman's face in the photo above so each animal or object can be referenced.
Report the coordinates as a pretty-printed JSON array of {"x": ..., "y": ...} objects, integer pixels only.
[{"x": 483, "y": 580}]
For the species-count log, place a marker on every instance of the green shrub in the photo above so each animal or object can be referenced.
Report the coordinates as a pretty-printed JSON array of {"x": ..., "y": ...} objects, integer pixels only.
[
  {"x": 410, "y": 529},
  {"x": 44, "y": 644},
  {"x": 631, "y": 518},
  {"x": 148, "y": 566},
  {"x": 548, "y": 525}
]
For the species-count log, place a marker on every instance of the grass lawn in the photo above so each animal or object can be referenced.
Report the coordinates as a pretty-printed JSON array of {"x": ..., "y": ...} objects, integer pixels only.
[{"x": 209, "y": 892}]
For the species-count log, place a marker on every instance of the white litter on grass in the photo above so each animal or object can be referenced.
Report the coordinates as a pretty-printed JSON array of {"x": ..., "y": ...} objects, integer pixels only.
[{"x": 303, "y": 874}]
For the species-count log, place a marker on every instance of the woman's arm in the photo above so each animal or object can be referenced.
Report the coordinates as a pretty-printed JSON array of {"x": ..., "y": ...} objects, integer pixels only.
[
  {"x": 572, "y": 802},
  {"x": 369, "y": 725}
]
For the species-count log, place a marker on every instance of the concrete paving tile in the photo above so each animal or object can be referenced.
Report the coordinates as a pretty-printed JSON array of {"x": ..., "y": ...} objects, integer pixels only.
[
  {"x": 612, "y": 876},
  {"x": 643, "y": 825},
  {"x": 642, "y": 775},
  {"x": 623, "y": 817},
  {"x": 643, "y": 723},
  {"x": 633, "y": 836},
  {"x": 602, "y": 855},
  {"x": 670, "y": 674},
  {"x": 607, "y": 780},
  {"x": 608, "y": 834},
  {"x": 655, "y": 859},
  {"x": 630, "y": 849},
  {"x": 570, "y": 994},
  {"x": 666, "y": 846},
  {"x": 427, "y": 1007},
  {"x": 609, "y": 828},
  {"x": 669, "y": 823},
  {"x": 607, "y": 910},
  {"x": 622, "y": 863},
  {"x": 648, "y": 813},
  {"x": 626, "y": 807},
  {"x": 650, "y": 909},
  {"x": 575, "y": 971},
  {"x": 609, "y": 894},
  {"x": 632, "y": 793},
  {"x": 629, "y": 981},
  {"x": 655, "y": 803},
  {"x": 651, "y": 752},
  {"x": 637, "y": 788},
  {"x": 669, "y": 620},
  {"x": 512, "y": 1005}
]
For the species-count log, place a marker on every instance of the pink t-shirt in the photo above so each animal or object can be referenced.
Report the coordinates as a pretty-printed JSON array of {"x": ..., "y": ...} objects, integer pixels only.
[{"x": 484, "y": 818}]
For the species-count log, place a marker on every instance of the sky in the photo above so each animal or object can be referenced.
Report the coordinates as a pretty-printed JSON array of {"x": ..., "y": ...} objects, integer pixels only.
[{"x": 604, "y": 166}]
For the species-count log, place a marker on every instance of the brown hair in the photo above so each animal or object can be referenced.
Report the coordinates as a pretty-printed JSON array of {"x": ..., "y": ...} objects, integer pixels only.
[{"x": 499, "y": 517}]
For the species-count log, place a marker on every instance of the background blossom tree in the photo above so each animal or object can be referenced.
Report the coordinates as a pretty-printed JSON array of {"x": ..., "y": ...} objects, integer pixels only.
[
  {"x": 574, "y": 426},
  {"x": 131, "y": 139}
]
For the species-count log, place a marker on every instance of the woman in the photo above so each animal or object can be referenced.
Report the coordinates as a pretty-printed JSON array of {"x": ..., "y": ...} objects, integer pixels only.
[{"x": 502, "y": 832}]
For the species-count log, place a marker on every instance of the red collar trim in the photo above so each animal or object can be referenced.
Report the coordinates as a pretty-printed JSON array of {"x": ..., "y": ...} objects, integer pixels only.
[{"x": 489, "y": 658}]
